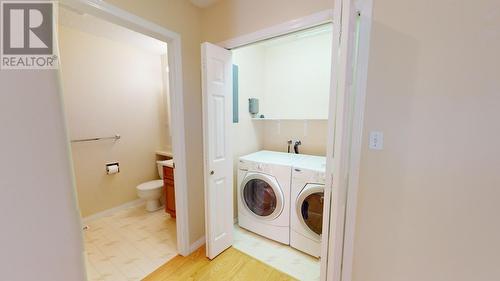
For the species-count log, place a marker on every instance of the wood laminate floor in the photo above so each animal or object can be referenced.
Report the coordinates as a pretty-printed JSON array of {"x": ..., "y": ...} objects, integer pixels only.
[{"x": 230, "y": 265}]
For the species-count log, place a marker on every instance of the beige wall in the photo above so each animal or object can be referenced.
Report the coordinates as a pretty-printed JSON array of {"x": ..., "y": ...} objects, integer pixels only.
[
  {"x": 429, "y": 202},
  {"x": 41, "y": 236},
  {"x": 184, "y": 18},
  {"x": 312, "y": 134},
  {"x": 121, "y": 94},
  {"x": 231, "y": 18}
]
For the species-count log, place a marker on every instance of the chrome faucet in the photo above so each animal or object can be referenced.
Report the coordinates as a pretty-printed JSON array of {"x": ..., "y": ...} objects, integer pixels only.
[{"x": 296, "y": 146}]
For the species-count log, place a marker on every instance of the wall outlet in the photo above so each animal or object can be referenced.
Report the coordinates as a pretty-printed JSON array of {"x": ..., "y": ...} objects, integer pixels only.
[{"x": 376, "y": 140}]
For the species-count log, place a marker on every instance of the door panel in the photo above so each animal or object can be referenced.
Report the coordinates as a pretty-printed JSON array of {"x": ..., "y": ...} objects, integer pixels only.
[
  {"x": 219, "y": 128},
  {"x": 219, "y": 210},
  {"x": 218, "y": 160}
]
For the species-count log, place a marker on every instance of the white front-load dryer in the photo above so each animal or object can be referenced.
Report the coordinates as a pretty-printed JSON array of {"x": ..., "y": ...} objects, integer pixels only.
[
  {"x": 264, "y": 194},
  {"x": 307, "y": 195}
]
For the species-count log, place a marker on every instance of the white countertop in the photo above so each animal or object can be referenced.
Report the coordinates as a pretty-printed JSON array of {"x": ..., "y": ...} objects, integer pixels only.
[
  {"x": 165, "y": 153},
  {"x": 167, "y": 163}
]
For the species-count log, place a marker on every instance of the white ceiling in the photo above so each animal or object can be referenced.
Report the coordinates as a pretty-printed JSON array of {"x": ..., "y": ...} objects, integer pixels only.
[
  {"x": 204, "y": 3},
  {"x": 87, "y": 23}
]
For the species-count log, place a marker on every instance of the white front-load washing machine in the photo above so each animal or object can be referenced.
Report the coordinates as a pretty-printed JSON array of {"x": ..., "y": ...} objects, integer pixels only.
[
  {"x": 307, "y": 195},
  {"x": 264, "y": 194}
]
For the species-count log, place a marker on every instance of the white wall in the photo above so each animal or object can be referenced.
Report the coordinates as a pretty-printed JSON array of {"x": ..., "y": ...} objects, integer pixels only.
[
  {"x": 247, "y": 134},
  {"x": 112, "y": 87},
  {"x": 41, "y": 236},
  {"x": 279, "y": 72},
  {"x": 293, "y": 80},
  {"x": 297, "y": 75}
]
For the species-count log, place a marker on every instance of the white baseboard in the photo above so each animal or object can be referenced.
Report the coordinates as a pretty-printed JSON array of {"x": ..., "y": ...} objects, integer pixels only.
[
  {"x": 197, "y": 244},
  {"x": 107, "y": 212}
]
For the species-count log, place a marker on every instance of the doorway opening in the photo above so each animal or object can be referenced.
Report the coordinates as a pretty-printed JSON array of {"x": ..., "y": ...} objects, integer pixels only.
[
  {"x": 279, "y": 119},
  {"x": 122, "y": 94},
  {"x": 351, "y": 34},
  {"x": 283, "y": 88}
]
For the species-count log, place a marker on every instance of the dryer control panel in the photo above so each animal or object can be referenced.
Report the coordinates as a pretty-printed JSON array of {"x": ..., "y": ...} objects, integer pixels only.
[{"x": 308, "y": 175}]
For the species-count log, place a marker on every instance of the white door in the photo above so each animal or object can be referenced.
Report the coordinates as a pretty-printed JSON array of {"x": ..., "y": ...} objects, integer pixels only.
[{"x": 218, "y": 164}]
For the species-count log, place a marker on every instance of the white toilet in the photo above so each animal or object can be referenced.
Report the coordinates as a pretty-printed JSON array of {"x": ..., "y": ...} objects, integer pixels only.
[{"x": 151, "y": 191}]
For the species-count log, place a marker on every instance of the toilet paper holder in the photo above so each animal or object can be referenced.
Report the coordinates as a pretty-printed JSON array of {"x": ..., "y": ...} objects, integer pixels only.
[{"x": 112, "y": 168}]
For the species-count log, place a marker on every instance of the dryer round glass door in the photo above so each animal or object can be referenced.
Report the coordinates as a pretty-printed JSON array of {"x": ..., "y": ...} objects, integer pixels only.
[
  {"x": 310, "y": 208},
  {"x": 262, "y": 196}
]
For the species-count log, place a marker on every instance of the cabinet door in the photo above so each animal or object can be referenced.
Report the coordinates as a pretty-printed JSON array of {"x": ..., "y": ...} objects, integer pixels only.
[
  {"x": 170, "y": 197},
  {"x": 168, "y": 173}
]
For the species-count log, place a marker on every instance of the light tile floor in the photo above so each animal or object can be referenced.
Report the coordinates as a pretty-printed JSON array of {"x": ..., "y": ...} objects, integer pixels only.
[
  {"x": 282, "y": 257},
  {"x": 129, "y": 244}
]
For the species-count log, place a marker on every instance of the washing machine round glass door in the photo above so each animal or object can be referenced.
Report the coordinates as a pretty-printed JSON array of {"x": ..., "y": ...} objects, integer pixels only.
[
  {"x": 262, "y": 196},
  {"x": 310, "y": 208}
]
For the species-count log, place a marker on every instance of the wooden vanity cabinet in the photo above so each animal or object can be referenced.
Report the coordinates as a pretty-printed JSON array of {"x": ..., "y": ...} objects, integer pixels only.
[{"x": 168, "y": 183}]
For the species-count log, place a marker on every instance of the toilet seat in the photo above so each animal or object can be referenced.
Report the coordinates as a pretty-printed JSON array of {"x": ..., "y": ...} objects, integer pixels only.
[{"x": 150, "y": 185}]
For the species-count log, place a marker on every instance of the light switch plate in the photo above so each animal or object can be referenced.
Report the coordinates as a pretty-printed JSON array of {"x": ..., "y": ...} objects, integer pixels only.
[{"x": 376, "y": 140}]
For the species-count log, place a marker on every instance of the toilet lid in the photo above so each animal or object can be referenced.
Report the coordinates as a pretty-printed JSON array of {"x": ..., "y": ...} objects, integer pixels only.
[{"x": 150, "y": 185}]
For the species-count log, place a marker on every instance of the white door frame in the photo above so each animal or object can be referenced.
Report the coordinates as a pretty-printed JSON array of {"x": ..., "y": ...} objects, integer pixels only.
[
  {"x": 345, "y": 139},
  {"x": 115, "y": 15},
  {"x": 338, "y": 260}
]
